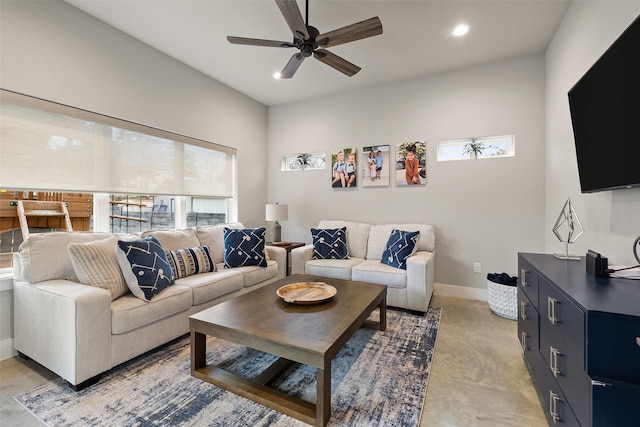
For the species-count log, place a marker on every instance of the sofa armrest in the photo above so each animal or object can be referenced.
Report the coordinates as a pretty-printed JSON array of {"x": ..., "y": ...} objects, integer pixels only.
[
  {"x": 65, "y": 326},
  {"x": 279, "y": 255},
  {"x": 299, "y": 257},
  {"x": 420, "y": 279}
]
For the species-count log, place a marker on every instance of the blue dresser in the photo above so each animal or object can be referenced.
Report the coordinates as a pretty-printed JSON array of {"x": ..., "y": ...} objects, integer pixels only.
[{"x": 580, "y": 337}]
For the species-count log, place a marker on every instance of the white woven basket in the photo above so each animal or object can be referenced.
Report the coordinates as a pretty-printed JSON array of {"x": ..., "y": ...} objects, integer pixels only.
[{"x": 503, "y": 300}]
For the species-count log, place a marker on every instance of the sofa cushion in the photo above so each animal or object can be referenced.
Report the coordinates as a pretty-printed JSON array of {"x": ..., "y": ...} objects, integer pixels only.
[
  {"x": 334, "y": 268},
  {"x": 172, "y": 240},
  {"x": 243, "y": 247},
  {"x": 208, "y": 286},
  {"x": 213, "y": 236},
  {"x": 186, "y": 262},
  {"x": 96, "y": 264},
  {"x": 379, "y": 236},
  {"x": 144, "y": 266},
  {"x": 373, "y": 271},
  {"x": 330, "y": 243},
  {"x": 253, "y": 275},
  {"x": 400, "y": 246},
  {"x": 129, "y": 313},
  {"x": 50, "y": 249},
  {"x": 357, "y": 235}
]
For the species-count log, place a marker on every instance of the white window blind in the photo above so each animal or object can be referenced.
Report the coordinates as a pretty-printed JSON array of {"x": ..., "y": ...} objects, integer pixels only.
[{"x": 49, "y": 146}]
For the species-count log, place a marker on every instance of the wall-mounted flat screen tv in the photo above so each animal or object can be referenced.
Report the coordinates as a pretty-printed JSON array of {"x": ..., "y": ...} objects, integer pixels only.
[{"x": 605, "y": 114}]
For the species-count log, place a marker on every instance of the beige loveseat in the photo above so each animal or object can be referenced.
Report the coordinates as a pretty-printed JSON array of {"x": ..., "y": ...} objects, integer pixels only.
[
  {"x": 79, "y": 332},
  {"x": 410, "y": 289}
]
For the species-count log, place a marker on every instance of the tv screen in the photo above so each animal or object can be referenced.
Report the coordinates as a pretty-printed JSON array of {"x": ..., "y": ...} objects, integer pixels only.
[{"x": 605, "y": 114}]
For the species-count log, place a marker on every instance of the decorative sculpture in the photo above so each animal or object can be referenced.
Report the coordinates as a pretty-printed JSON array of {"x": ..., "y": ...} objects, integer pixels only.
[{"x": 568, "y": 219}]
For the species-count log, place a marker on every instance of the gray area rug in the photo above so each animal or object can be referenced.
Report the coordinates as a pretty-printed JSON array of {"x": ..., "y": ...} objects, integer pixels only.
[{"x": 378, "y": 378}]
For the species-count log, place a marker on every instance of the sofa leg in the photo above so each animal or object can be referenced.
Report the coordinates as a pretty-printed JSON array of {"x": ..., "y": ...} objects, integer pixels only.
[
  {"x": 23, "y": 356},
  {"x": 84, "y": 384}
]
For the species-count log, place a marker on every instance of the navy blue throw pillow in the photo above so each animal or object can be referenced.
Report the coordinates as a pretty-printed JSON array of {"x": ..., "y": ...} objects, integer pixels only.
[
  {"x": 244, "y": 247},
  {"x": 144, "y": 266},
  {"x": 330, "y": 243},
  {"x": 400, "y": 246}
]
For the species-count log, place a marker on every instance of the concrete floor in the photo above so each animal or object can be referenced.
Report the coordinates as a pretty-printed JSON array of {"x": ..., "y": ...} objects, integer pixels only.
[{"x": 478, "y": 376}]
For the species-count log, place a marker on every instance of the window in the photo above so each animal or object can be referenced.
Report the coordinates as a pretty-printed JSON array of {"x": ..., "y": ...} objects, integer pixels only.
[
  {"x": 135, "y": 213},
  {"x": 294, "y": 162},
  {"x": 201, "y": 211},
  {"x": 488, "y": 147},
  {"x": 124, "y": 168}
]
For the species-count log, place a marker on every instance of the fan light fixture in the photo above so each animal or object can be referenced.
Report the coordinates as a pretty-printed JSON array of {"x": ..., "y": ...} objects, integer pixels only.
[
  {"x": 310, "y": 42},
  {"x": 460, "y": 30}
]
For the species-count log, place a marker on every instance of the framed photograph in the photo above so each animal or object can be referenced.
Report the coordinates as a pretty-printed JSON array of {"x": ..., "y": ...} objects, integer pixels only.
[
  {"x": 375, "y": 165},
  {"x": 344, "y": 169},
  {"x": 411, "y": 164}
]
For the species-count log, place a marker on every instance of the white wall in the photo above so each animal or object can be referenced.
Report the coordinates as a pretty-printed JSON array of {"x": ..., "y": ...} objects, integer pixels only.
[
  {"x": 483, "y": 211},
  {"x": 52, "y": 50},
  {"x": 611, "y": 219}
]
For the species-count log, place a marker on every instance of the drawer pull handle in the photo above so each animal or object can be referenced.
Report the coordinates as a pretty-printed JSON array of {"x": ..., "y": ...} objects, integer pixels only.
[
  {"x": 551, "y": 310},
  {"x": 523, "y": 341},
  {"x": 553, "y": 406},
  {"x": 523, "y": 313},
  {"x": 553, "y": 361},
  {"x": 523, "y": 278}
]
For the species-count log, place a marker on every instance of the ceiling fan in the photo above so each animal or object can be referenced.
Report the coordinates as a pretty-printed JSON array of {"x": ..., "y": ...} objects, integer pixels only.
[{"x": 310, "y": 42}]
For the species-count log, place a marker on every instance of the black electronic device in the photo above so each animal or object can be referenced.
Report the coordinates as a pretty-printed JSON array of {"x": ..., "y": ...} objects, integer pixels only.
[
  {"x": 605, "y": 115},
  {"x": 597, "y": 264}
]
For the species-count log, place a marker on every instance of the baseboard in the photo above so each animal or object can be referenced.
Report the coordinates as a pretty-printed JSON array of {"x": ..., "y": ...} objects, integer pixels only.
[
  {"x": 6, "y": 349},
  {"x": 464, "y": 292}
]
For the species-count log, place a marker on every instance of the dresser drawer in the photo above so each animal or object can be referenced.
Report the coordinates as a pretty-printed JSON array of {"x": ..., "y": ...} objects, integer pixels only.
[
  {"x": 527, "y": 325},
  {"x": 566, "y": 320},
  {"x": 614, "y": 347},
  {"x": 528, "y": 281},
  {"x": 571, "y": 378},
  {"x": 554, "y": 404}
]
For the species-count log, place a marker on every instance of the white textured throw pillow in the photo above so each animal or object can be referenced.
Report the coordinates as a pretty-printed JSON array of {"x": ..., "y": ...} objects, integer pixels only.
[{"x": 96, "y": 264}]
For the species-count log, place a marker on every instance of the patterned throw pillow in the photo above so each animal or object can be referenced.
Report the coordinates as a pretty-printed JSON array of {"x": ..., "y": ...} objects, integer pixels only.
[
  {"x": 244, "y": 246},
  {"x": 400, "y": 246},
  {"x": 186, "y": 262},
  {"x": 96, "y": 264},
  {"x": 330, "y": 243},
  {"x": 144, "y": 266}
]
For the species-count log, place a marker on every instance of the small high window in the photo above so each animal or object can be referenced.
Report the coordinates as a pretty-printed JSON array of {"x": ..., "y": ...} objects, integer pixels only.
[
  {"x": 480, "y": 148},
  {"x": 296, "y": 162}
]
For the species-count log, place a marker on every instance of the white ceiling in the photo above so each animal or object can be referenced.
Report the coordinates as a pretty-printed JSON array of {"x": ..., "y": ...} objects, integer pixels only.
[{"x": 416, "y": 38}]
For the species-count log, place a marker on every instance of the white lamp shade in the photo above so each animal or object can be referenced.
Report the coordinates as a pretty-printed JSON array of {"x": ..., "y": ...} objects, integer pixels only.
[{"x": 277, "y": 212}]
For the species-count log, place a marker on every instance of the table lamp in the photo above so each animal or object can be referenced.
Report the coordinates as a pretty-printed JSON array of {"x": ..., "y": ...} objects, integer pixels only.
[{"x": 276, "y": 212}]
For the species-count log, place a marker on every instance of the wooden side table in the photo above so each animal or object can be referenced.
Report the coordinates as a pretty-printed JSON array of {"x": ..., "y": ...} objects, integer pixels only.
[{"x": 288, "y": 246}]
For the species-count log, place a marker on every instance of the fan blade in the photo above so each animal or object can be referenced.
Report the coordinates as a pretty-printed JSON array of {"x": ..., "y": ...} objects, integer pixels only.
[
  {"x": 336, "y": 62},
  {"x": 291, "y": 13},
  {"x": 292, "y": 66},
  {"x": 258, "y": 42},
  {"x": 361, "y": 30}
]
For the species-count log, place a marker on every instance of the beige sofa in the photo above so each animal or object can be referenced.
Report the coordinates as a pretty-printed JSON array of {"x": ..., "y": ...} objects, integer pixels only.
[
  {"x": 410, "y": 289},
  {"x": 78, "y": 332}
]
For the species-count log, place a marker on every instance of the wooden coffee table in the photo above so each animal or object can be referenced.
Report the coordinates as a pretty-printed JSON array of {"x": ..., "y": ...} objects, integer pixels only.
[{"x": 306, "y": 334}]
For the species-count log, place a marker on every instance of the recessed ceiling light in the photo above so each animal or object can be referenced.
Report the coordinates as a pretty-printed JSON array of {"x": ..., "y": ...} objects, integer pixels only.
[
  {"x": 277, "y": 75},
  {"x": 460, "y": 30}
]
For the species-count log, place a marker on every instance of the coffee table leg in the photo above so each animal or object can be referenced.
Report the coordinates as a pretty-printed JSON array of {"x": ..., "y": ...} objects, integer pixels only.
[
  {"x": 323, "y": 395},
  {"x": 383, "y": 315},
  {"x": 198, "y": 351}
]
